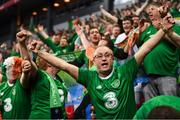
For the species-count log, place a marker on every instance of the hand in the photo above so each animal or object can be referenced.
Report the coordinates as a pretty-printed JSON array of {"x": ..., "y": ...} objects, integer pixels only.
[
  {"x": 78, "y": 29},
  {"x": 26, "y": 66},
  {"x": 143, "y": 24},
  {"x": 40, "y": 28},
  {"x": 34, "y": 46},
  {"x": 101, "y": 7},
  {"x": 163, "y": 10},
  {"x": 167, "y": 22},
  {"x": 23, "y": 35}
]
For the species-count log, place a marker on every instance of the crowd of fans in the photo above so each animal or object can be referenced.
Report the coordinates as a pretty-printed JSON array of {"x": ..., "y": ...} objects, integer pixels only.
[{"x": 127, "y": 60}]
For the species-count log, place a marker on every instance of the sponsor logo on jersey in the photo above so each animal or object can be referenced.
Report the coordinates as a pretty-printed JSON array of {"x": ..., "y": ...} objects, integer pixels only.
[
  {"x": 111, "y": 100},
  {"x": 8, "y": 105}
]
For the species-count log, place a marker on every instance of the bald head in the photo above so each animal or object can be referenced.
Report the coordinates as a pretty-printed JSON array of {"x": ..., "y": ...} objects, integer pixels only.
[{"x": 102, "y": 49}]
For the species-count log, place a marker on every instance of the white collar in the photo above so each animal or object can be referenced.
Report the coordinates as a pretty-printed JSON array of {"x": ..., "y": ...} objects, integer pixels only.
[
  {"x": 10, "y": 84},
  {"x": 107, "y": 77}
]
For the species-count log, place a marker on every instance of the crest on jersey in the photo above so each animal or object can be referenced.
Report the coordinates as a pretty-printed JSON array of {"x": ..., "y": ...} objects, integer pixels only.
[{"x": 115, "y": 83}]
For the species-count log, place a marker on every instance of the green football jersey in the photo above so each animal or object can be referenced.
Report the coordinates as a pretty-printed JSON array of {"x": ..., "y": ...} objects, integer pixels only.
[
  {"x": 171, "y": 101},
  {"x": 15, "y": 101},
  {"x": 113, "y": 97},
  {"x": 40, "y": 96},
  {"x": 163, "y": 59}
]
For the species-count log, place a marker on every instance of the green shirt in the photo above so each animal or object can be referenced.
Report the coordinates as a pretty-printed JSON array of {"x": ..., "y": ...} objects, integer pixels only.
[
  {"x": 163, "y": 59},
  {"x": 40, "y": 97},
  {"x": 56, "y": 48},
  {"x": 113, "y": 98},
  {"x": 171, "y": 101},
  {"x": 15, "y": 101}
]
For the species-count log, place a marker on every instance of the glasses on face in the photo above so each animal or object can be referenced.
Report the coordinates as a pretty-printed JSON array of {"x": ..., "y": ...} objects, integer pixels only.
[
  {"x": 100, "y": 56},
  {"x": 92, "y": 32}
]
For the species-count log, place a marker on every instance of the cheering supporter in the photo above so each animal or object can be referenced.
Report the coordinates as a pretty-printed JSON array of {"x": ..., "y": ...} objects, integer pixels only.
[
  {"x": 103, "y": 85},
  {"x": 104, "y": 54},
  {"x": 161, "y": 63}
]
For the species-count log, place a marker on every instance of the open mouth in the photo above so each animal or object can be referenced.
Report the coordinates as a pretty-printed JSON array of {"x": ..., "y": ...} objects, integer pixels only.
[
  {"x": 150, "y": 16},
  {"x": 95, "y": 37},
  {"x": 104, "y": 64}
]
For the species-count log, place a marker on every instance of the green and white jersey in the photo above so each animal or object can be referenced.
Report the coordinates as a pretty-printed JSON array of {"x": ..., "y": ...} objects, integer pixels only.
[
  {"x": 14, "y": 101},
  {"x": 112, "y": 97},
  {"x": 41, "y": 96},
  {"x": 171, "y": 101},
  {"x": 163, "y": 59}
]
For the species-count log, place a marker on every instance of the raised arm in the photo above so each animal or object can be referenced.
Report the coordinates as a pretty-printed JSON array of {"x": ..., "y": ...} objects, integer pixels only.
[
  {"x": 47, "y": 39},
  {"x": 107, "y": 14},
  {"x": 174, "y": 37},
  {"x": 139, "y": 10},
  {"x": 22, "y": 36},
  {"x": 56, "y": 62},
  {"x": 153, "y": 41},
  {"x": 40, "y": 30},
  {"x": 25, "y": 76},
  {"x": 82, "y": 36}
]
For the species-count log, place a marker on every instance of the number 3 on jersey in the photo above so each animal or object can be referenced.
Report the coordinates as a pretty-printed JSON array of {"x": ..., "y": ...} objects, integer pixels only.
[
  {"x": 8, "y": 105},
  {"x": 111, "y": 100}
]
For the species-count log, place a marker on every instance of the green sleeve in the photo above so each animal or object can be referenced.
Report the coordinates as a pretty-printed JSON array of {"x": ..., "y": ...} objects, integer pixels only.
[
  {"x": 71, "y": 47},
  {"x": 130, "y": 68},
  {"x": 73, "y": 38},
  {"x": 83, "y": 77},
  {"x": 49, "y": 43},
  {"x": 72, "y": 42},
  {"x": 80, "y": 61}
]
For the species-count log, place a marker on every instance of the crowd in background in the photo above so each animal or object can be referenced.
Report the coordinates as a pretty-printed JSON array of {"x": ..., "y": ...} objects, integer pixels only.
[{"x": 42, "y": 92}]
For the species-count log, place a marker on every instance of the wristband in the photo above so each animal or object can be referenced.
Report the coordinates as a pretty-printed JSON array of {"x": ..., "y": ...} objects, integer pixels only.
[{"x": 164, "y": 29}]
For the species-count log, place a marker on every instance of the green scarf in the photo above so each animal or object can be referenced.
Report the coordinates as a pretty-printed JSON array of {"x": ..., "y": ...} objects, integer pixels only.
[{"x": 54, "y": 95}]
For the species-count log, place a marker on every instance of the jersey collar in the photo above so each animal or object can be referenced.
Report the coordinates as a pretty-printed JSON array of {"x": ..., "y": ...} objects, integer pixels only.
[{"x": 107, "y": 77}]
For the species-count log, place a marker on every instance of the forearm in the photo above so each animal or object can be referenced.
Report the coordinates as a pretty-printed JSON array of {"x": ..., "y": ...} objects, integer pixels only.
[
  {"x": 59, "y": 63},
  {"x": 26, "y": 56},
  {"x": 138, "y": 11},
  {"x": 104, "y": 12},
  {"x": 44, "y": 34},
  {"x": 84, "y": 40},
  {"x": 48, "y": 41},
  {"x": 24, "y": 51},
  {"x": 104, "y": 21},
  {"x": 174, "y": 37},
  {"x": 24, "y": 80}
]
